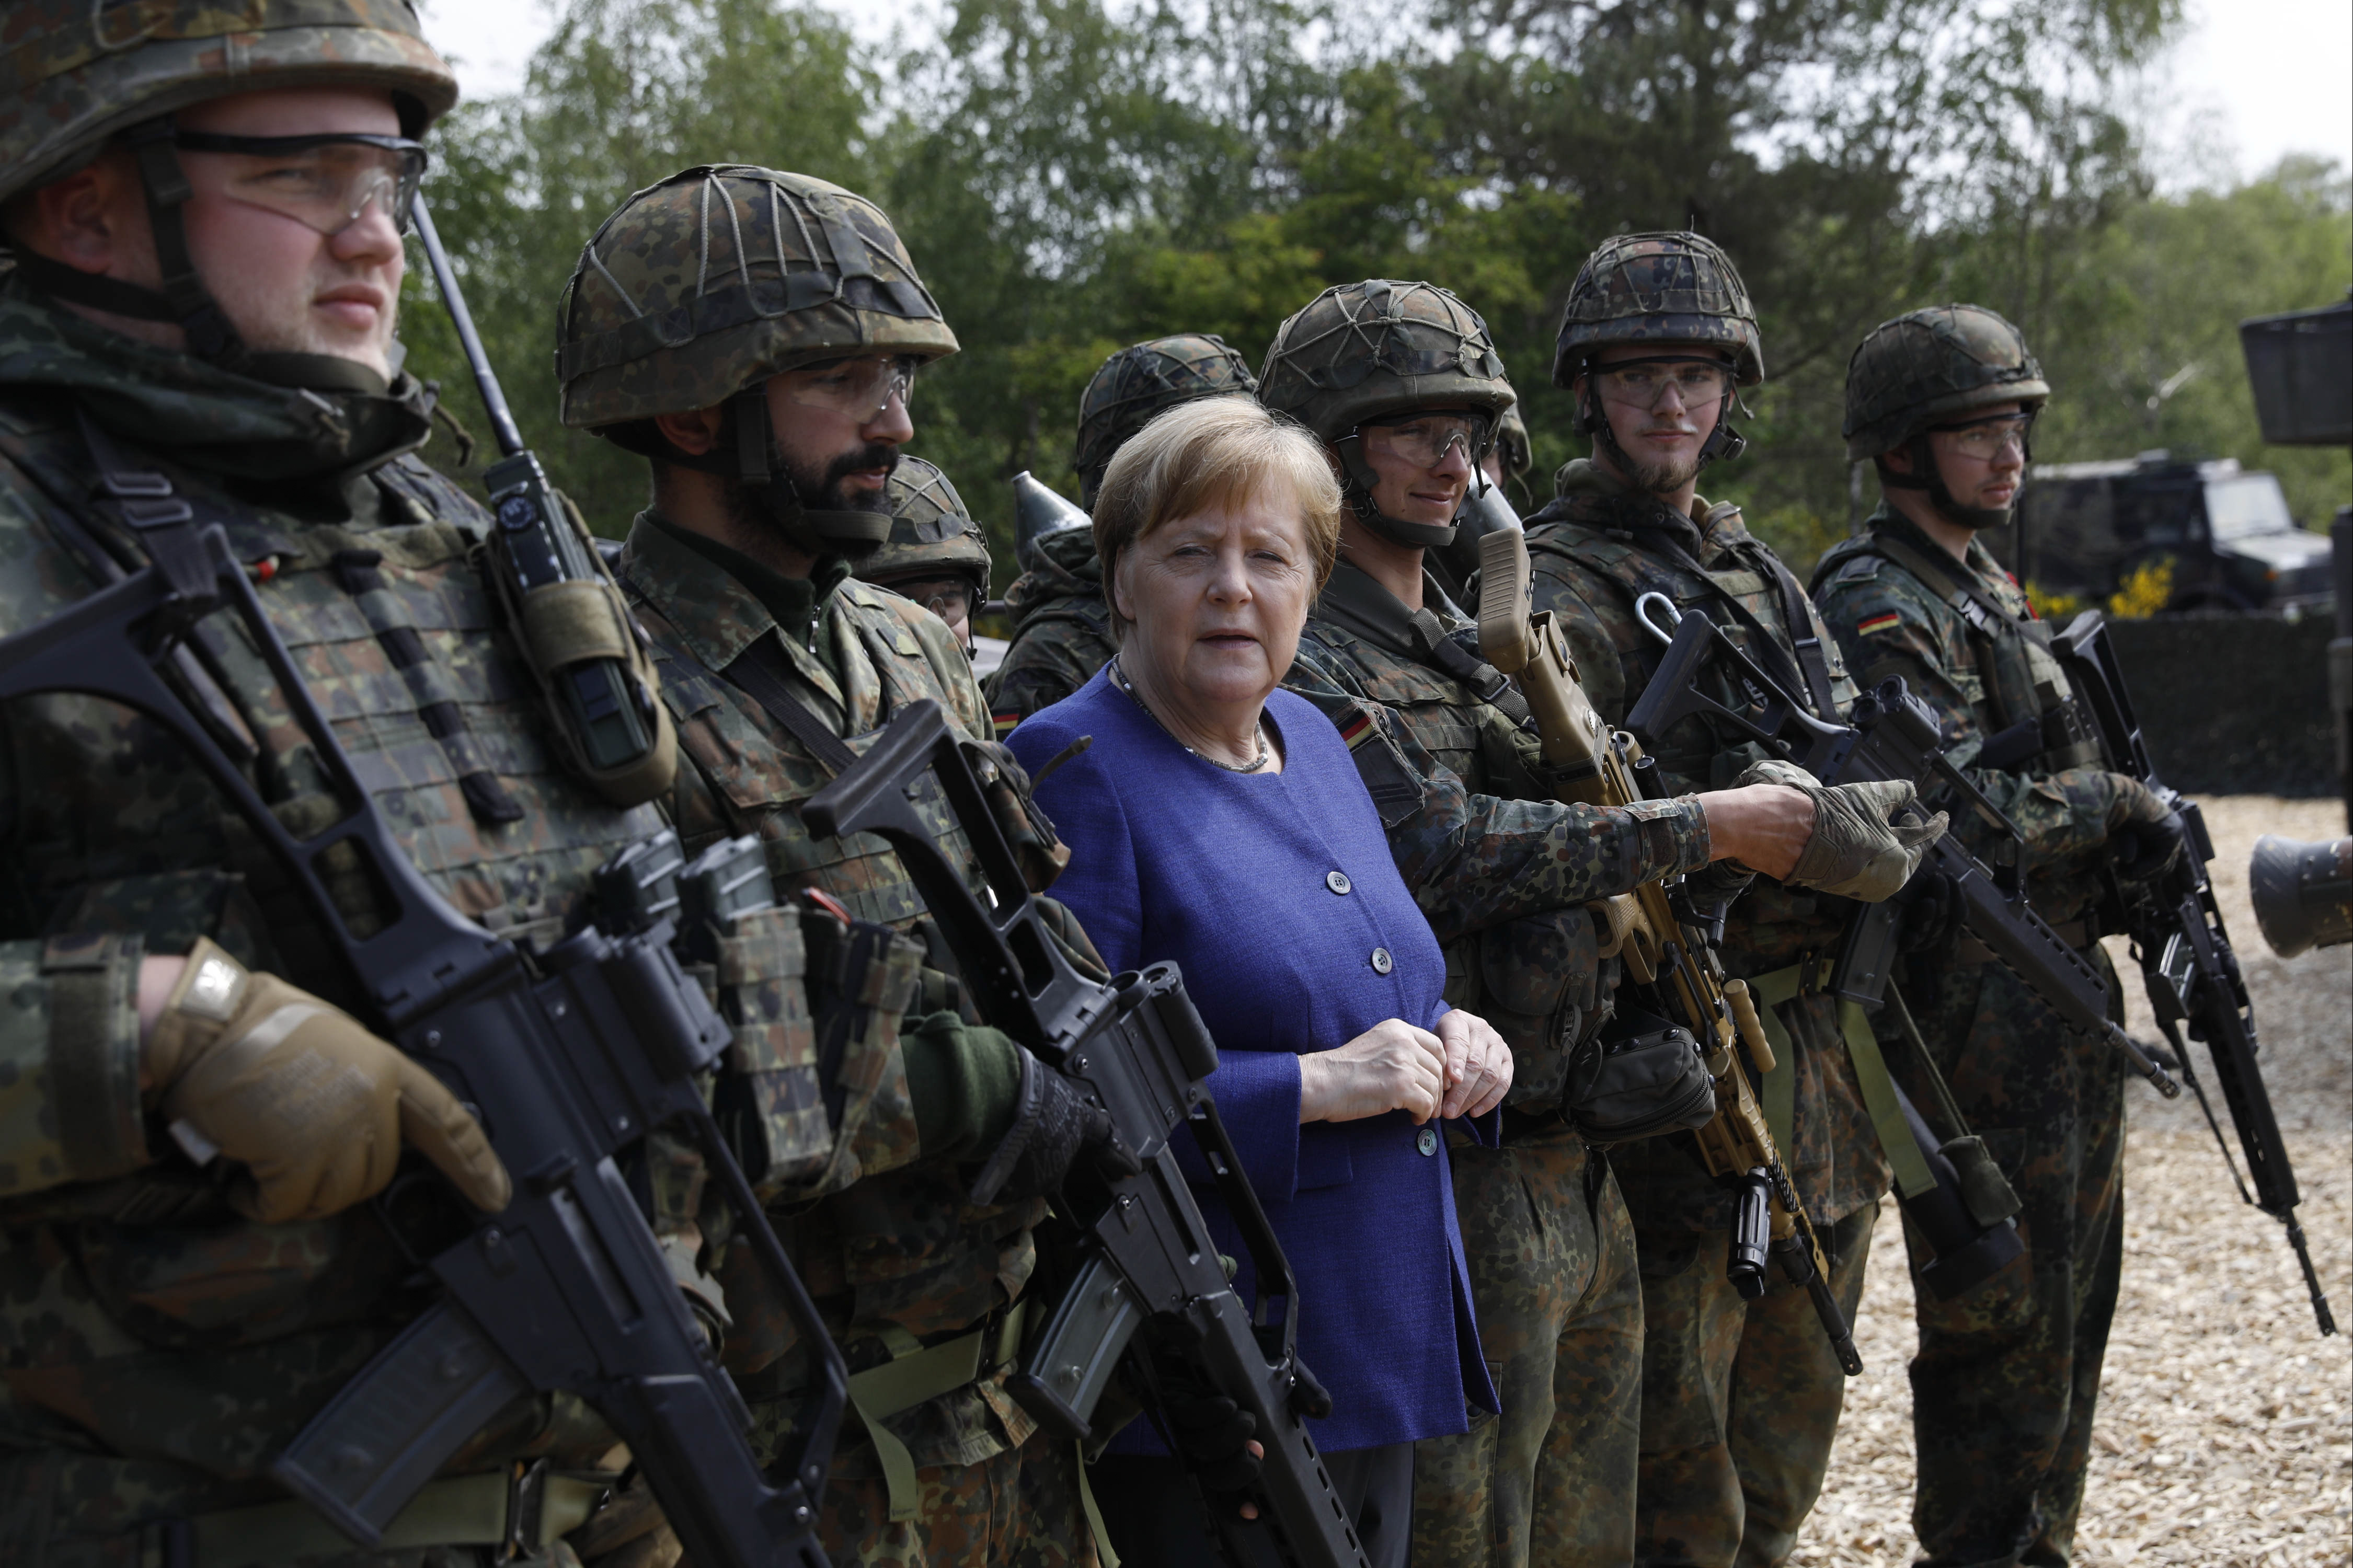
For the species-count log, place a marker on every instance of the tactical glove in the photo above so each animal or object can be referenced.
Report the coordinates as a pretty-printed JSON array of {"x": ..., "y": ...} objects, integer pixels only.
[
  {"x": 312, "y": 1106},
  {"x": 1215, "y": 1433},
  {"x": 1053, "y": 1124},
  {"x": 1855, "y": 852},
  {"x": 2145, "y": 835}
]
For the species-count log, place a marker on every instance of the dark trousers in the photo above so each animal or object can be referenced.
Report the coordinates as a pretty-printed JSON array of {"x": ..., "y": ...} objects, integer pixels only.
[
  {"x": 1155, "y": 1518},
  {"x": 2007, "y": 1378}
]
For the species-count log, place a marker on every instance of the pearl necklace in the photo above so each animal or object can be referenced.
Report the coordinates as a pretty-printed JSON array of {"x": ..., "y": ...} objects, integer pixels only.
[{"x": 1119, "y": 678}]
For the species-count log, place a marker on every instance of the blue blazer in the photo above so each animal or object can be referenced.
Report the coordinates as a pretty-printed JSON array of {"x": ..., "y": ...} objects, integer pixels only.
[{"x": 1276, "y": 895}]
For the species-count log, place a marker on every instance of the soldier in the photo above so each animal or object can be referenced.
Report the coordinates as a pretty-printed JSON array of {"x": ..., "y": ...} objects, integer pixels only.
[
  {"x": 1061, "y": 631},
  {"x": 204, "y": 207},
  {"x": 1943, "y": 402},
  {"x": 936, "y": 554},
  {"x": 772, "y": 432},
  {"x": 1402, "y": 382},
  {"x": 1739, "y": 1403}
]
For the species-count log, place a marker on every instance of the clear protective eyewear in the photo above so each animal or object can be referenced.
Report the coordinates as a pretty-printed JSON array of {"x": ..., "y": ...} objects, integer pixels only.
[
  {"x": 859, "y": 388},
  {"x": 1984, "y": 438},
  {"x": 1643, "y": 383},
  {"x": 1425, "y": 439},
  {"x": 325, "y": 183}
]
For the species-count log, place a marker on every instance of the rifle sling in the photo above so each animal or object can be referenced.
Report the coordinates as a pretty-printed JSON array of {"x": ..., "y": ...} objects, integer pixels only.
[
  {"x": 758, "y": 671},
  {"x": 1904, "y": 1156},
  {"x": 1808, "y": 671},
  {"x": 1950, "y": 584}
]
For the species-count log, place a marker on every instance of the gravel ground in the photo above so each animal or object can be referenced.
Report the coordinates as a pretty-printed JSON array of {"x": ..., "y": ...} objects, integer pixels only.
[{"x": 2224, "y": 1437}]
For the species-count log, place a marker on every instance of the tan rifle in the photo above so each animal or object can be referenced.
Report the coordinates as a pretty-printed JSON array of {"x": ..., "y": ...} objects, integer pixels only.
[{"x": 1674, "y": 962}]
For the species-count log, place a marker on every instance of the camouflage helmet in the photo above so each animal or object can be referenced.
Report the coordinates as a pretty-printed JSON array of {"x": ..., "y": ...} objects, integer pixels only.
[
  {"x": 932, "y": 533},
  {"x": 1362, "y": 350},
  {"x": 74, "y": 73},
  {"x": 1135, "y": 384},
  {"x": 1929, "y": 365},
  {"x": 1670, "y": 288},
  {"x": 720, "y": 277}
]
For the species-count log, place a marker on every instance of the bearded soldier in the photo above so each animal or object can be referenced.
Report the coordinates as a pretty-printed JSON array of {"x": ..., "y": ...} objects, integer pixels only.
[
  {"x": 1943, "y": 402},
  {"x": 1062, "y": 630},
  {"x": 936, "y": 554},
  {"x": 1402, "y": 382},
  {"x": 1740, "y": 1401},
  {"x": 203, "y": 207},
  {"x": 773, "y": 428}
]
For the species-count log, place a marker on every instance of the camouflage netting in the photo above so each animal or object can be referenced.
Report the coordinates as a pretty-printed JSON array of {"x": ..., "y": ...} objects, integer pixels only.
[
  {"x": 1932, "y": 365},
  {"x": 932, "y": 533},
  {"x": 1675, "y": 287},
  {"x": 1142, "y": 381},
  {"x": 1360, "y": 351},
  {"x": 724, "y": 275}
]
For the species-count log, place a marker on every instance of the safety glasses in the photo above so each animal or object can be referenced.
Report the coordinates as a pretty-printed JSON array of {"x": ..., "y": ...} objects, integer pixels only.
[
  {"x": 325, "y": 183},
  {"x": 859, "y": 388},
  {"x": 1643, "y": 383},
  {"x": 1426, "y": 438},
  {"x": 1983, "y": 439}
]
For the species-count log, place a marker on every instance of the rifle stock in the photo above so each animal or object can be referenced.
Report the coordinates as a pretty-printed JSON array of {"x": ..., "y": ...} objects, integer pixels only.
[
  {"x": 1136, "y": 1046},
  {"x": 1673, "y": 963},
  {"x": 2187, "y": 962}
]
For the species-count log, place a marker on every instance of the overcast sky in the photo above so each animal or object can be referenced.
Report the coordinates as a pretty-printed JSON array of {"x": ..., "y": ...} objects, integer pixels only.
[{"x": 2275, "y": 78}]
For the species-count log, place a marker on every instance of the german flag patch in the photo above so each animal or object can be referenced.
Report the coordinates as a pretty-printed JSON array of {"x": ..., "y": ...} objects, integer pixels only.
[
  {"x": 1005, "y": 722},
  {"x": 1886, "y": 622},
  {"x": 1357, "y": 727}
]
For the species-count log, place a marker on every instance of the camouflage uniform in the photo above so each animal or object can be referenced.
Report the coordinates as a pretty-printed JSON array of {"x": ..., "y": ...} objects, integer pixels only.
[
  {"x": 1545, "y": 1231},
  {"x": 157, "y": 1349},
  {"x": 2006, "y": 1378},
  {"x": 1061, "y": 629},
  {"x": 897, "y": 1260},
  {"x": 1739, "y": 1402}
]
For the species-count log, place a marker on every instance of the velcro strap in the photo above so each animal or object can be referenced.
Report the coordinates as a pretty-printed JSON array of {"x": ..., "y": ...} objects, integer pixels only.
[
  {"x": 94, "y": 1052},
  {"x": 566, "y": 623}
]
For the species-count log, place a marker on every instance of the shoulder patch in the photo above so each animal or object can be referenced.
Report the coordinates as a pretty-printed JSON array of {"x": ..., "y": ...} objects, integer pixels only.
[
  {"x": 1860, "y": 568},
  {"x": 1886, "y": 621}
]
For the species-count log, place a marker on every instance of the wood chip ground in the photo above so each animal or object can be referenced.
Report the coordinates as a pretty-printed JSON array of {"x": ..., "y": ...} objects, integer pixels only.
[{"x": 2224, "y": 1437}]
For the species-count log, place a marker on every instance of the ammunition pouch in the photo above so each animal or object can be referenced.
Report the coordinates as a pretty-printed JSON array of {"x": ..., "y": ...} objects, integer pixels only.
[{"x": 1638, "y": 1077}]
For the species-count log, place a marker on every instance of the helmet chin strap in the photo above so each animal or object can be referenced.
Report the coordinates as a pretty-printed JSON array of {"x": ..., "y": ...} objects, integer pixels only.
[
  {"x": 1947, "y": 505},
  {"x": 182, "y": 301},
  {"x": 852, "y": 535},
  {"x": 1358, "y": 494}
]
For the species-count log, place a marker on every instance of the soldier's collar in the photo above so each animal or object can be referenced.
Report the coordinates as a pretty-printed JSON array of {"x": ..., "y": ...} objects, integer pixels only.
[
  {"x": 1355, "y": 602},
  {"x": 1982, "y": 564},
  {"x": 721, "y": 600}
]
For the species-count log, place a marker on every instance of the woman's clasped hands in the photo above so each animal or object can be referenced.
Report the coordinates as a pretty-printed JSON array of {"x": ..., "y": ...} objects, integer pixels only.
[{"x": 1463, "y": 1068}]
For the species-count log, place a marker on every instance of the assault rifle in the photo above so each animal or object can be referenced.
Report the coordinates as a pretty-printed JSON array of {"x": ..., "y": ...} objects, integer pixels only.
[
  {"x": 1894, "y": 736},
  {"x": 1147, "y": 1261},
  {"x": 569, "y": 1057},
  {"x": 2186, "y": 959},
  {"x": 1671, "y": 958}
]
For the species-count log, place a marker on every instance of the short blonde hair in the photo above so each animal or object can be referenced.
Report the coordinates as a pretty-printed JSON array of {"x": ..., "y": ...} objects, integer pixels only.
[{"x": 1212, "y": 452}]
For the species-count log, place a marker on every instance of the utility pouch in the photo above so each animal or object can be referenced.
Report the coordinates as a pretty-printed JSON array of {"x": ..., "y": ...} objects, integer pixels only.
[
  {"x": 567, "y": 613},
  {"x": 1641, "y": 1076},
  {"x": 1986, "y": 1193}
]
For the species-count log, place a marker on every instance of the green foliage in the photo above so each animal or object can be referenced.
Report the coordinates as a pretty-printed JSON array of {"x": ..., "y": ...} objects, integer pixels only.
[{"x": 1074, "y": 175}]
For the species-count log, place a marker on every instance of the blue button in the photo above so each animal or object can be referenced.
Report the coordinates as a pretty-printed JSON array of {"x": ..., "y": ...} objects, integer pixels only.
[{"x": 1427, "y": 1140}]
